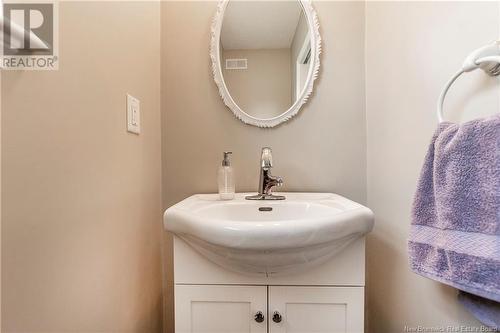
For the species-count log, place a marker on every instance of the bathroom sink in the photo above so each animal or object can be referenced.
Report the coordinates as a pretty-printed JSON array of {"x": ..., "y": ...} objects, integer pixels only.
[{"x": 269, "y": 237}]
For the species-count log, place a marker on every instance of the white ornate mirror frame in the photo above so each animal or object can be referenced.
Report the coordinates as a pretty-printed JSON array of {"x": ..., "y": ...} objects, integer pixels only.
[{"x": 313, "y": 25}]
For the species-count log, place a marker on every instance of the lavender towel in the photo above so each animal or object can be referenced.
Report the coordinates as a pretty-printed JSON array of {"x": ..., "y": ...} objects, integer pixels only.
[
  {"x": 485, "y": 310},
  {"x": 455, "y": 232}
]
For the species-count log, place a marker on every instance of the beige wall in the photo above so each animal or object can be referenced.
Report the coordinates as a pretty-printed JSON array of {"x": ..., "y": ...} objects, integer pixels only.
[
  {"x": 412, "y": 49},
  {"x": 322, "y": 149},
  {"x": 81, "y": 196},
  {"x": 263, "y": 89}
]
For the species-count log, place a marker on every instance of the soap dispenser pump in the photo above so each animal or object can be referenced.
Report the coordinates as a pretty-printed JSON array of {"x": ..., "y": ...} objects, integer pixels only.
[{"x": 225, "y": 178}]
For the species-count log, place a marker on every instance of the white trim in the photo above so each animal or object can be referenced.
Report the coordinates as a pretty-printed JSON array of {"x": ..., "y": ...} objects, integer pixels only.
[
  {"x": 304, "y": 50},
  {"x": 313, "y": 24}
]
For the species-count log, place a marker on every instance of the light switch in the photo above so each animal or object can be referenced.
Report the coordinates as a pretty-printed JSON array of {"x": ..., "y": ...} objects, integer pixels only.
[{"x": 133, "y": 114}]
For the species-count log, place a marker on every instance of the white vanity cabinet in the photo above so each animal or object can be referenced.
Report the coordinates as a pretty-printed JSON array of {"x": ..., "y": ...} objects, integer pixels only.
[
  {"x": 316, "y": 309},
  {"x": 218, "y": 309},
  {"x": 274, "y": 309},
  {"x": 325, "y": 299}
]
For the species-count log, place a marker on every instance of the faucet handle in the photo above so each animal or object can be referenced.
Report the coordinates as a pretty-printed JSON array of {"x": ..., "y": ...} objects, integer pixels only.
[{"x": 266, "y": 158}]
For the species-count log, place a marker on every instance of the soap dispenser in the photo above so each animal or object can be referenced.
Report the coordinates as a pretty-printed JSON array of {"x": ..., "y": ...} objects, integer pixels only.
[{"x": 225, "y": 178}]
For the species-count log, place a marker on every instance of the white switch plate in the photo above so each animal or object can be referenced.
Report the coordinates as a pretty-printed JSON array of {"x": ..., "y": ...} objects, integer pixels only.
[{"x": 133, "y": 114}]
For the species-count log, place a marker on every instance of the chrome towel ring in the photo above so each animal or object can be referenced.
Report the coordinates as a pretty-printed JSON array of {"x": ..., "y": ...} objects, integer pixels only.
[{"x": 487, "y": 58}]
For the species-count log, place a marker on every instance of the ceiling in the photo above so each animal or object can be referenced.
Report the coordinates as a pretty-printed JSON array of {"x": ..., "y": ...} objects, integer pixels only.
[{"x": 259, "y": 24}]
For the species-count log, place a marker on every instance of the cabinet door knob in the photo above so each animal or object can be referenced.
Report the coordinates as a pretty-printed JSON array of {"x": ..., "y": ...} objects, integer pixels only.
[
  {"x": 259, "y": 317},
  {"x": 277, "y": 317}
]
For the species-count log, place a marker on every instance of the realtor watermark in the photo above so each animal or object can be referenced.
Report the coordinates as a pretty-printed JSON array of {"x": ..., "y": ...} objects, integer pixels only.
[
  {"x": 448, "y": 329},
  {"x": 30, "y": 35}
]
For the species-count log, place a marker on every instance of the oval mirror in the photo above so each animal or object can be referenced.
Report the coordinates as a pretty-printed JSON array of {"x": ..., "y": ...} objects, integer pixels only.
[{"x": 265, "y": 58}]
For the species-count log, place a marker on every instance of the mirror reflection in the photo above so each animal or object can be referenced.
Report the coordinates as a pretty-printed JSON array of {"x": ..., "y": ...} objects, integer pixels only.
[{"x": 265, "y": 53}]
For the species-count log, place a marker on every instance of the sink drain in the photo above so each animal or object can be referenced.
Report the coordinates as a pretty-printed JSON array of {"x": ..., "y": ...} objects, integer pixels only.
[{"x": 265, "y": 209}]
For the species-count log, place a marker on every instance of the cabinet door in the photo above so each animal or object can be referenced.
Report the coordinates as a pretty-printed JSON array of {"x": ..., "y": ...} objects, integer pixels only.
[
  {"x": 316, "y": 309},
  {"x": 220, "y": 309}
]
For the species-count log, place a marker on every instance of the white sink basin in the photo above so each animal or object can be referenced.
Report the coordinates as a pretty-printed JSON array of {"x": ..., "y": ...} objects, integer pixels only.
[{"x": 304, "y": 230}]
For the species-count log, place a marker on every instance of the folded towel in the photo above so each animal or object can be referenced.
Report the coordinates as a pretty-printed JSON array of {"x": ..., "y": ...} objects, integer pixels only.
[
  {"x": 485, "y": 310},
  {"x": 455, "y": 232}
]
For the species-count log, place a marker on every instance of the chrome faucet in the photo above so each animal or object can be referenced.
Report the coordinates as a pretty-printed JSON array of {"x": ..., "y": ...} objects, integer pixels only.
[{"x": 267, "y": 181}]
